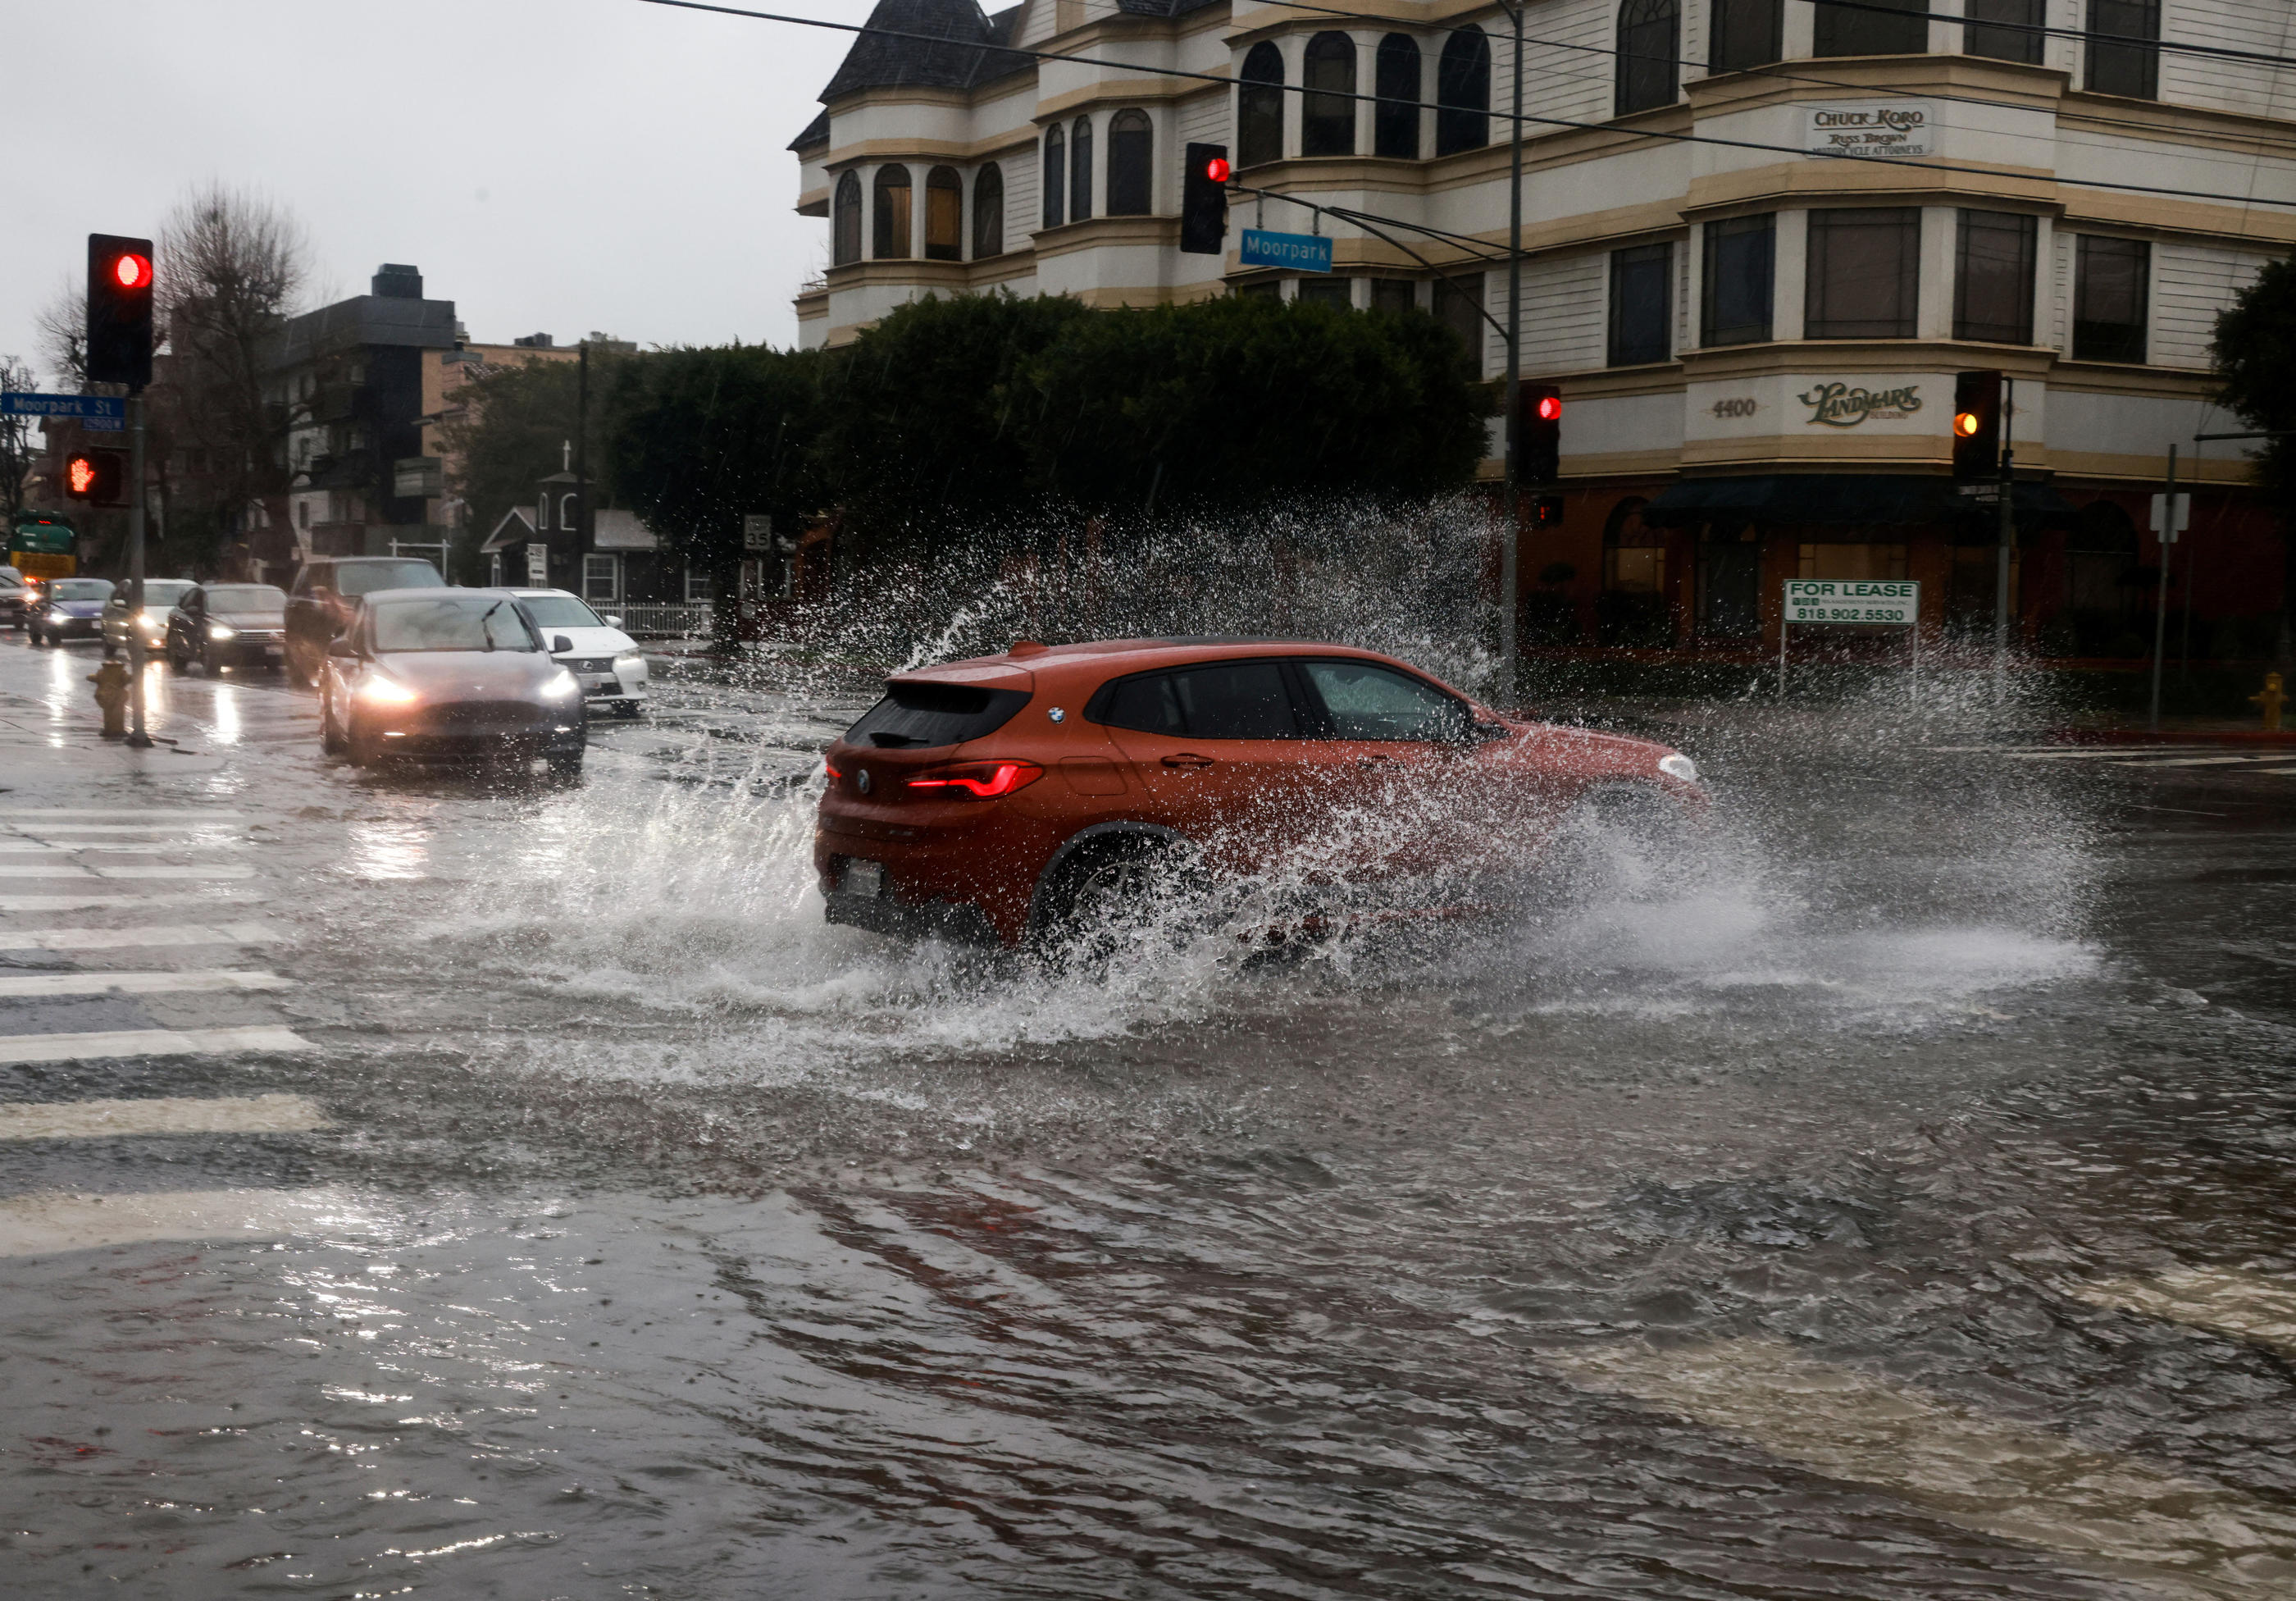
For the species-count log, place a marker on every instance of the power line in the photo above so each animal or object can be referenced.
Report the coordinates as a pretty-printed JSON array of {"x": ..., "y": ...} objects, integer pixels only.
[
  {"x": 1225, "y": 82},
  {"x": 2127, "y": 40}
]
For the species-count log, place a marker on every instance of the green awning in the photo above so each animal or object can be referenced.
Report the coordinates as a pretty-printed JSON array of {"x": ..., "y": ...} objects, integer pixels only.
[{"x": 1842, "y": 498}]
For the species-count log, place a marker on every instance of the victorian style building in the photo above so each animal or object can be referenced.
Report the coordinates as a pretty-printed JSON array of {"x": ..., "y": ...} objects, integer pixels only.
[{"x": 1755, "y": 338}]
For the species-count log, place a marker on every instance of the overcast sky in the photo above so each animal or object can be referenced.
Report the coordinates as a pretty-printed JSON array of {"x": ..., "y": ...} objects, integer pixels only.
[{"x": 551, "y": 165}]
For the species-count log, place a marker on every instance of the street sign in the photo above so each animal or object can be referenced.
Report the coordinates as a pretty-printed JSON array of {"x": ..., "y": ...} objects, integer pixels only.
[
  {"x": 1872, "y": 602},
  {"x": 92, "y": 411},
  {"x": 2184, "y": 515},
  {"x": 537, "y": 563},
  {"x": 1982, "y": 494},
  {"x": 418, "y": 476},
  {"x": 1300, "y": 252},
  {"x": 756, "y": 532}
]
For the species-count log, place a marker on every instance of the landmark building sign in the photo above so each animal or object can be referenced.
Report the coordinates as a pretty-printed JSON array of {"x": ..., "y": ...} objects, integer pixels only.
[
  {"x": 1845, "y": 405},
  {"x": 1901, "y": 129}
]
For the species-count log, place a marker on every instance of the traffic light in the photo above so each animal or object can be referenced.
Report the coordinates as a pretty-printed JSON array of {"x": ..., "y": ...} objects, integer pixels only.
[
  {"x": 118, "y": 310},
  {"x": 1976, "y": 427},
  {"x": 1203, "y": 200},
  {"x": 1547, "y": 511},
  {"x": 99, "y": 477},
  {"x": 1542, "y": 433}
]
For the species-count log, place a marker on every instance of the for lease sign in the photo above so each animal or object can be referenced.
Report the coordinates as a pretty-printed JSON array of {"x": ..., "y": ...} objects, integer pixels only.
[{"x": 1882, "y": 603}]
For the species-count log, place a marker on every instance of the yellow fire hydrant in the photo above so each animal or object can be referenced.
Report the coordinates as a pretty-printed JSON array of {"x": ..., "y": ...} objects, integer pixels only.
[
  {"x": 2271, "y": 700},
  {"x": 111, "y": 681}
]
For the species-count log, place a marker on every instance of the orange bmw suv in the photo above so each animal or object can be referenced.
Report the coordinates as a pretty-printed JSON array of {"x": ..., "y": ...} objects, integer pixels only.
[{"x": 1014, "y": 797}]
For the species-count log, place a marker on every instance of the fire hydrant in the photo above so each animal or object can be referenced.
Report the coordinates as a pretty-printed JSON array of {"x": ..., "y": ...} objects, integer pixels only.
[
  {"x": 111, "y": 681},
  {"x": 2271, "y": 701}
]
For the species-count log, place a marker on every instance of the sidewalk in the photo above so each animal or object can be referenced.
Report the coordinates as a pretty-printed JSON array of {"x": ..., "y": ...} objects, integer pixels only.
[{"x": 51, "y": 748}]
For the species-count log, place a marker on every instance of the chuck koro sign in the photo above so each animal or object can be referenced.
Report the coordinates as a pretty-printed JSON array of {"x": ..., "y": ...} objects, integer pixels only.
[{"x": 1894, "y": 129}]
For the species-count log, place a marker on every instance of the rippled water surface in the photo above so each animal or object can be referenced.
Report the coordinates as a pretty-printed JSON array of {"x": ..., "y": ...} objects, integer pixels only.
[{"x": 1894, "y": 1204}]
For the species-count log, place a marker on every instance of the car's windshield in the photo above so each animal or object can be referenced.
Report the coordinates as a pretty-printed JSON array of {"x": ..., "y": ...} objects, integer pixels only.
[
  {"x": 81, "y": 589},
  {"x": 559, "y": 611},
  {"x": 245, "y": 598},
  {"x": 462, "y": 622},
  {"x": 159, "y": 594},
  {"x": 365, "y": 577}
]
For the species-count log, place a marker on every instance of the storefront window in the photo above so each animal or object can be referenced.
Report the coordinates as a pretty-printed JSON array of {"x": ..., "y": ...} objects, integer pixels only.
[
  {"x": 2105, "y": 588},
  {"x": 1632, "y": 609},
  {"x": 1849, "y": 560},
  {"x": 1729, "y": 584}
]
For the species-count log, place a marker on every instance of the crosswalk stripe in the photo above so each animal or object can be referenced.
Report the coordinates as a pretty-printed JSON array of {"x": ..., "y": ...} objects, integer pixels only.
[
  {"x": 102, "y": 1120},
  {"x": 2246, "y": 1304},
  {"x": 2182, "y": 1536},
  {"x": 16, "y": 1049},
  {"x": 82, "y": 870},
  {"x": 2193, "y": 761},
  {"x": 84, "y": 831},
  {"x": 2086, "y": 751},
  {"x": 115, "y": 846},
  {"x": 22, "y": 986},
  {"x": 162, "y": 814},
  {"x": 121, "y": 939},
  {"x": 2122, "y": 753},
  {"x": 81, "y": 903},
  {"x": 42, "y": 1224}
]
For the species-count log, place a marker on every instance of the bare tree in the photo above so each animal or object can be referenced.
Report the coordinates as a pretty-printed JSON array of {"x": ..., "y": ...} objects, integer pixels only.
[
  {"x": 18, "y": 453},
  {"x": 61, "y": 326}
]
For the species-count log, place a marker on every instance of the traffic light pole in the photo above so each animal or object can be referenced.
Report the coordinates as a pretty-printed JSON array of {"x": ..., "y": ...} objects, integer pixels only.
[
  {"x": 136, "y": 735},
  {"x": 1510, "y": 548},
  {"x": 2007, "y": 513},
  {"x": 2167, "y": 535}
]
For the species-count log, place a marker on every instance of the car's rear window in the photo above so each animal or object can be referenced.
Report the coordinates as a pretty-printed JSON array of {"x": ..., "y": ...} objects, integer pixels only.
[
  {"x": 159, "y": 595},
  {"x": 559, "y": 611},
  {"x": 1226, "y": 699},
  {"x": 81, "y": 589},
  {"x": 365, "y": 577},
  {"x": 926, "y": 714}
]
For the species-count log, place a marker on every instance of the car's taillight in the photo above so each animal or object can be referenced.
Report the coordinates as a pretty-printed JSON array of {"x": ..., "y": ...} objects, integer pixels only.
[{"x": 976, "y": 780}]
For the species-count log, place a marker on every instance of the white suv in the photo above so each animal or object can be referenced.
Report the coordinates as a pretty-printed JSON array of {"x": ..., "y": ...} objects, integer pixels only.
[{"x": 605, "y": 660}]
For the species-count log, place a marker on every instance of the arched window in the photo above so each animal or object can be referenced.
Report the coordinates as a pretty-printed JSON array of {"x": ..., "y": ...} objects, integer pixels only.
[
  {"x": 1260, "y": 107},
  {"x": 845, "y": 222},
  {"x": 889, "y": 238},
  {"x": 1054, "y": 178},
  {"x": 944, "y": 215},
  {"x": 1462, "y": 93},
  {"x": 1131, "y": 151},
  {"x": 1327, "y": 115},
  {"x": 1080, "y": 170},
  {"x": 988, "y": 212},
  {"x": 1649, "y": 34},
  {"x": 1395, "y": 120}
]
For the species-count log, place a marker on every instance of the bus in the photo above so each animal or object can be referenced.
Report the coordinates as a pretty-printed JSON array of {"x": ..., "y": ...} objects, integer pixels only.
[{"x": 43, "y": 545}]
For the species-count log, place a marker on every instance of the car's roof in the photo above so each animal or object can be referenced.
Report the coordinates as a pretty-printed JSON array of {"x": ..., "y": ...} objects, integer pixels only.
[
  {"x": 1098, "y": 658},
  {"x": 428, "y": 592},
  {"x": 539, "y": 594}
]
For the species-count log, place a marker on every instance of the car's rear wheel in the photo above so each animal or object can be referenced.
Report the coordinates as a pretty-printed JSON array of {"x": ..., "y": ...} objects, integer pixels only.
[
  {"x": 1122, "y": 892},
  {"x": 566, "y": 764}
]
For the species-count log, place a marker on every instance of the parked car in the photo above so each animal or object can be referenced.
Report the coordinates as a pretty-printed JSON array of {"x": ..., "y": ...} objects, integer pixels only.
[
  {"x": 1044, "y": 790},
  {"x": 15, "y": 596},
  {"x": 456, "y": 675},
  {"x": 593, "y": 648},
  {"x": 224, "y": 626},
  {"x": 159, "y": 598},
  {"x": 326, "y": 593},
  {"x": 73, "y": 609}
]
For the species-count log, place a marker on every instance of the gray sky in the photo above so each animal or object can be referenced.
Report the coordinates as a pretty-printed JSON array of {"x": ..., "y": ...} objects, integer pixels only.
[{"x": 551, "y": 165}]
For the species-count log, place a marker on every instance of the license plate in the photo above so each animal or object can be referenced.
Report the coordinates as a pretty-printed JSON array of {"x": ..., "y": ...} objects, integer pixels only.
[{"x": 865, "y": 878}]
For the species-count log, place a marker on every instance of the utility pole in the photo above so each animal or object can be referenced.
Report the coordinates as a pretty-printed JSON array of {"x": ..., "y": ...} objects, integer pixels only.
[
  {"x": 581, "y": 464},
  {"x": 1510, "y": 552},
  {"x": 2165, "y": 533},
  {"x": 136, "y": 734},
  {"x": 2008, "y": 537}
]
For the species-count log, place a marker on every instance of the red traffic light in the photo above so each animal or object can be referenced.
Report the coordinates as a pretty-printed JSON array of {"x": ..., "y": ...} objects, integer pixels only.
[
  {"x": 1550, "y": 407},
  {"x": 132, "y": 271},
  {"x": 79, "y": 476},
  {"x": 1216, "y": 169}
]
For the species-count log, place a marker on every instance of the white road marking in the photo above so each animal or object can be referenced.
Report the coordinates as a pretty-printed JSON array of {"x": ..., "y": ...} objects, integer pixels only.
[
  {"x": 19, "y": 1048},
  {"x": 25, "y": 847},
  {"x": 2059, "y": 750},
  {"x": 2174, "y": 1535},
  {"x": 75, "y": 831},
  {"x": 121, "y": 939},
  {"x": 2277, "y": 772},
  {"x": 44, "y": 870},
  {"x": 2246, "y": 1304},
  {"x": 17, "y": 987},
  {"x": 162, "y": 813},
  {"x": 2112, "y": 753},
  {"x": 102, "y": 1120},
  {"x": 39, "y": 1224},
  {"x": 80, "y": 903},
  {"x": 137, "y": 870},
  {"x": 2194, "y": 761}
]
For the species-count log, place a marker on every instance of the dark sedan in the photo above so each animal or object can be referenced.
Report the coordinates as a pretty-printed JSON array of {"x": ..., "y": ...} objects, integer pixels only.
[
  {"x": 73, "y": 609},
  {"x": 224, "y": 626},
  {"x": 447, "y": 674}
]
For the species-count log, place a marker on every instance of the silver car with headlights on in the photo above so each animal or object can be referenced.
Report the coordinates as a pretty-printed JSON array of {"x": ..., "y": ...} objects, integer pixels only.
[{"x": 447, "y": 675}]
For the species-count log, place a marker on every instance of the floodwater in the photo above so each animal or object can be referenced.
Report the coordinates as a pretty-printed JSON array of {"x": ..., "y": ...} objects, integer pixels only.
[{"x": 1898, "y": 1206}]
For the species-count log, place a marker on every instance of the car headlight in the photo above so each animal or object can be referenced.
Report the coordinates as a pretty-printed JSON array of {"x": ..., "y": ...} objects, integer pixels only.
[
  {"x": 631, "y": 659},
  {"x": 1679, "y": 766},
  {"x": 218, "y": 630},
  {"x": 559, "y": 684},
  {"x": 58, "y": 614},
  {"x": 386, "y": 692}
]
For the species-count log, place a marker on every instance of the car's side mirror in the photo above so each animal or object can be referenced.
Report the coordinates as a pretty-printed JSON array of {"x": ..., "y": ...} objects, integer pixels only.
[
  {"x": 613, "y": 622},
  {"x": 342, "y": 647},
  {"x": 559, "y": 644}
]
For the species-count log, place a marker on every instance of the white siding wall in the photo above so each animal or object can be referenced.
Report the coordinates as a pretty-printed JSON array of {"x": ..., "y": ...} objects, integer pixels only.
[
  {"x": 1577, "y": 84},
  {"x": 1563, "y": 312},
  {"x": 1038, "y": 24},
  {"x": 2267, "y": 26},
  {"x": 2191, "y": 283}
]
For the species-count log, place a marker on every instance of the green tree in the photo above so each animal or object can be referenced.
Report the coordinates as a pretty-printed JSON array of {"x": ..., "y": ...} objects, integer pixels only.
[
  {"x": 2255, "y": 354},
  {"x": 516, "y": 422}
]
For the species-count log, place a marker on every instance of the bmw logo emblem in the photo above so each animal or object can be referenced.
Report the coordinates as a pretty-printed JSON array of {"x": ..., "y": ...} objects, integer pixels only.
[
  {"x": 1058, "y": 715},
  {"x": 861, "y": 781}
]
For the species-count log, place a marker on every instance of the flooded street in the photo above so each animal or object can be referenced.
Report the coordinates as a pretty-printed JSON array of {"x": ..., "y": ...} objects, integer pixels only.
[{"x": 515, "y": 1189}]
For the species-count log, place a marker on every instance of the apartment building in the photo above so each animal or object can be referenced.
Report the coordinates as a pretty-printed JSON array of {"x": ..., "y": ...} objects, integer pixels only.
[{"x": 1761, "y": 237}]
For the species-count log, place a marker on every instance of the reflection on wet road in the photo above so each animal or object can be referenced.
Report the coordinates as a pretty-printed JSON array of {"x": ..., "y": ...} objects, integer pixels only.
[{"x": 492, "y": 1188}]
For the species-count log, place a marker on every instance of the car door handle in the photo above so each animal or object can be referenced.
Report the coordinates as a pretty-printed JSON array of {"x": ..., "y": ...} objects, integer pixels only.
[
  {"x": 1187, "y": 759},
  {"x": 1379, "y": 762}
]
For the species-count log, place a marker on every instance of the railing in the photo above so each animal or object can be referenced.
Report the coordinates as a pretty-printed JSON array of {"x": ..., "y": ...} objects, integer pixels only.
[{"x": 662, "y": 622}]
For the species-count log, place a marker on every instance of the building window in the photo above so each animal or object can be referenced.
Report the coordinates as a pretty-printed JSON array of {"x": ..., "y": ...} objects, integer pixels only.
[
  {"x": 2003, "y": 44},
  {"x": 1872, "y": 28},
  {"x": 2104, "y": 583},
  {"x": 601, "y": 578},
  {"x": 1736, "y": 298},
  {"x": 1393, "y": 294},
  {"x": 569, "y": 512},
  {"x": 890, "y": 240},
  {"x": 845, "y": 229},
  {"x": 1459, "y": 307},
  {"x": 1993, "y": 277},
  {"x": 1335, "y": 291},
  {"x": 1642, "y": 299},
  {"x": 1746, "y": 34},
  {"x": 1845, "y": 562},
  {"x": 1395, "y": 120},
  {"x": 1462, "y": 93},
  {"x": 1260, "y": 107},
  {"x": 1632, "y": 609},
  {"x": 2109, "y": 298},
  {"x": 699, "y": 589},
  {"x": 494, "y": 571},
  {"x": 1131, "y": 157},
  {"x": 1864, "y": 273},
  {"x": 988, "y": 212},
  {"x": 1649, "y": 38},
  {"x": 1080, "y": 170},
  {"x": 944, "y": 215},
  {"x": 1055, "y": 177},
  {"x": 2130, "y": 70},
  {"x": 1327, "y": 112}
]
